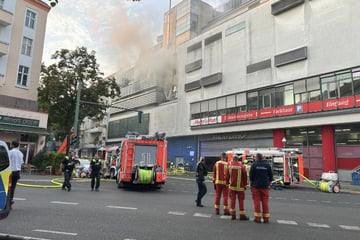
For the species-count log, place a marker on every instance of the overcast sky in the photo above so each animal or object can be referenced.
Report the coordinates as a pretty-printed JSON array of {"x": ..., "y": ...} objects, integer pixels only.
[{"x": 115, "y": 29}]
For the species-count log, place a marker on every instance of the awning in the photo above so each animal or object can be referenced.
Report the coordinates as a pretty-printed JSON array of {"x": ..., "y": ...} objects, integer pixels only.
[{"x": 23, "y": 129}]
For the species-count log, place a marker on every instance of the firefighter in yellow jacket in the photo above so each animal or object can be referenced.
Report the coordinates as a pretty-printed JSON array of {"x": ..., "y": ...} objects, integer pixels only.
[
  {"x": 219, "y": 173},
  {"x": 236, "y": 179}
]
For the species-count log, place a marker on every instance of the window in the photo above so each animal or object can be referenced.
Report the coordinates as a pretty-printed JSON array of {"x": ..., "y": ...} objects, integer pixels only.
[
  {"x": 23, "y": 75},
  {"x": 284, "y": 95},
  {"x": 4, "y": 158},
  {"x": 314, "y": 96},
  {"x": 344, "y": 84},
  {"x": 301, "y": 98},
  {"x": 252, "y": 101},
  {"x": 30, "y": 19},
  {"x": 195, "y": 110},
  {"x": 356, "y": 79},
  {"x": 26, "y": 46},
  {"x": 204, "y": 109},
  {"x": 267, "y": 98},
  {"x": 328, "y": 86},
  {"x": 212, "y": 108},
  {"x": 1, "y": 4},
  {"x": 183, "y": 25},
  {"x": 221, "y": 105}
]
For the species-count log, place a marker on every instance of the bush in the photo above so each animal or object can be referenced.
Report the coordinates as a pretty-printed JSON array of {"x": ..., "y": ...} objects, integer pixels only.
[
  {"x": 59, "y": 158},
  {"x": 37, "y": 159}
]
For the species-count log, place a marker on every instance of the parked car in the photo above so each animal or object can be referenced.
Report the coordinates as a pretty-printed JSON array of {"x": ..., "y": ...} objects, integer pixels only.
[
  {"x": 5, "y": 181},
  {"x": 82, "y": 168}
]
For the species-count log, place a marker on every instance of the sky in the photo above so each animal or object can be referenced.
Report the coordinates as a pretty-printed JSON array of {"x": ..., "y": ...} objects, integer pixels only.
[{"x": 116, "y": 30}]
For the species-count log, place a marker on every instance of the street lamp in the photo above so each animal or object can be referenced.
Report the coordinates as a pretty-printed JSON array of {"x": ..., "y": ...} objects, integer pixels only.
[{"x": 284, "y": 141}]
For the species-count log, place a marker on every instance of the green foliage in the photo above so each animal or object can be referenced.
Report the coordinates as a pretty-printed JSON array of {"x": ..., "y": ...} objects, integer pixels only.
[
  {"x": 58, "y": 88},
  {"x": 37, "y": 159},
  {"x": 58, "y": 160}
]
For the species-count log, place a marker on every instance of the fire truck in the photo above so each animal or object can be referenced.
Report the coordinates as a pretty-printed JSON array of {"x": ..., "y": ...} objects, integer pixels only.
[
  {"x": 286, "y": 163},
  {"x": 142, "y": 161}
]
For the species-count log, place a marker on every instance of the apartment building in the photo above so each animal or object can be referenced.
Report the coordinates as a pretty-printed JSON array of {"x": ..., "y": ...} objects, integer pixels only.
[{"x": 22, "y": 32}]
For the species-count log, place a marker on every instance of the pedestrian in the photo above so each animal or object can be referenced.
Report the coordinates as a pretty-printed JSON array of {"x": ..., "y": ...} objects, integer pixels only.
[
  {"x": 95, "y": 166},
  {"x": 67, "y": 166},
  {"x": 261, "y": 177},
  {"x": 236, "y": 179},
  {"x": 16, "y": 159},
  {"x": 201, "y": 172},
  {"x": 219, "y": 180}
]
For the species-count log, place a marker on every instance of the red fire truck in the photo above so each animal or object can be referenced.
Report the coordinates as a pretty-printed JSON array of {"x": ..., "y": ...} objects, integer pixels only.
[
  {"x": 142, "y": 161},
  {"x": 286, "y": 163}
]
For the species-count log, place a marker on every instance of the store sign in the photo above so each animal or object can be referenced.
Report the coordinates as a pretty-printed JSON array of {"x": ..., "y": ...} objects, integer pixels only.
[
  {"x": 287, "y": 110},
  {"x": 264, "y": 113},
  {"x": 338, "y": 103},
  {"x": 212, "y": 120},
  {"x": 19, "y": 121},
  {"x": 195, "y": 122},
  {"x": 357, "y": 100}
]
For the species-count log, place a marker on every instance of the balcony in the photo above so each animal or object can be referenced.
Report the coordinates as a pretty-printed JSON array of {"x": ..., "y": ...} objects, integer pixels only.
[
  {"x": 4, "y": 48},
  {"x": 137, "y": 87},
  {"x": 5, "y": 17},
  {"x": 94, "y": 130}
]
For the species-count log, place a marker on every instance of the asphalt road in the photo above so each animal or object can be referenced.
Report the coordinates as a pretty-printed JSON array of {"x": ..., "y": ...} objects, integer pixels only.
[{"x": 170, "y": 213}]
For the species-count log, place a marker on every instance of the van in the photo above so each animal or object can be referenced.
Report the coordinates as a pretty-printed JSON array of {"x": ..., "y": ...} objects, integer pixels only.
[{"x": 5, "y": 181}]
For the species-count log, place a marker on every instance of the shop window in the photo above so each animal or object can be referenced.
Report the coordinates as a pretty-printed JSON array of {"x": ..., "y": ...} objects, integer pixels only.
[
  {"x": 231, "y": 110},
  {"x": 241, "y": 109},
  {"x": 213, "y": 113},
  {"x": 328, "y": 87},
  {"x": 252, "y": 101},
  {"x": 195, "y": 110}
]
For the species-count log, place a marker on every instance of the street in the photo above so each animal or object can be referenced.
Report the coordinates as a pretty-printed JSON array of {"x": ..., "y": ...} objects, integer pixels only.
[{"x": 170, "y": 213}]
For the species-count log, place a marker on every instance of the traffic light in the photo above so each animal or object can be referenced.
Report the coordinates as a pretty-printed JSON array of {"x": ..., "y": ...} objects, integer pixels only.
[
  {"x": 73, "y": 140},
  {"x": 140, "y": 114}
]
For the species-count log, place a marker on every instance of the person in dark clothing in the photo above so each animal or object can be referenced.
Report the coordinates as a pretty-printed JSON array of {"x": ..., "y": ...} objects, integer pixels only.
[
  {"x": 201, "y": 172},
  {"x": 67, "y": 166},
  {"x": 95, "y": 166},
  {"x": 261, "y": 177}
]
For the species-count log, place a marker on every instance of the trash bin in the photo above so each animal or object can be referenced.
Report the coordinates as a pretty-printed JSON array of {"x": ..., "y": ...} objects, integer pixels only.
[{"x": 355, "y": 177}]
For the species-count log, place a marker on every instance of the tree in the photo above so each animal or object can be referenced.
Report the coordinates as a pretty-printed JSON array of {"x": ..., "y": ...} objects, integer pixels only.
[{"x": 58, "y": 89}]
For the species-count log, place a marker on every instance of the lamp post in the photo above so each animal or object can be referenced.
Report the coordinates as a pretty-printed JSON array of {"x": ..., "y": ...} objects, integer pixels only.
[{"x": 77, "y": 109}]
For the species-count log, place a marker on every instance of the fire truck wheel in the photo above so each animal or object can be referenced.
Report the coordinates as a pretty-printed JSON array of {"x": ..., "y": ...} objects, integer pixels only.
[{"x": 121, "y": 184}]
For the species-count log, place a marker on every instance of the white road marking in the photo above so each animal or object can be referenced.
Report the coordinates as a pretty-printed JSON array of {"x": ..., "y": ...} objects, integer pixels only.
[
  {"x": 202, "y": 215},
  {"x": 295, "y": 199},
  {"x": 225, "y": 217},
  {"x": 55, "y": 232},
  {"x": 119, "y": 207},
  {"x": 20, "y": 199},
  {"x": 350, "y": 227},
  {"x": 344, "y": 202},
  {"x": 326, "y": 201},
  {"x": 280, "y": 198},
  {"x": 310, "y": 200},
  {"x": 287, "y": 222},
  {"x": 66, "y": 203},
  {"x": 186, "y": 191},
  {"x": 23, "y": 237},
  {"x": 318, "y": 225},
  {"x": 177, "y": 213},
  {"x": 129, "y": 239}
]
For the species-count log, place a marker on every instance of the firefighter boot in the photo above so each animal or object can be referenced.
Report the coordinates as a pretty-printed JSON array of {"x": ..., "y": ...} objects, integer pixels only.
[
  {"x": 244, "y": 218},
  {"x": 233, "y": 217}
]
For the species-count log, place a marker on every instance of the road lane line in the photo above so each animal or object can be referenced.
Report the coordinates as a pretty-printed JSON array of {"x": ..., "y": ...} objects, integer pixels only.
[
  {"x": 344, "y": 202},
  {"x": 66, "y": 203},
  {"x": 177, "y": 213},
  {"x": 295, "y": 199},
  {"x": 20, "y": 199},
  {"x": 326, "y": 201},
  {"x": 280, "y": 198},
  {"x": 23, "y": 237},
  {"x": 202, "y": 215},
  {"x": 310, "y": 200},
  {"x": 318, "y": 225},
  {"x": 225, "y": 217},
  {"x": 350, "y": 227},
  {"x": 119, "y": 207},
  {"x": 287, "y": 222},
  {"x": 55, "y": 232}
]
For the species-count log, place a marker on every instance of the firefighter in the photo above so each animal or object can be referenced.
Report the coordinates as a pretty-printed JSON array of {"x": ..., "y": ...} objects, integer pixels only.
[
  {"x": 219, "y": 172},
  {"x": 261, "y": 177},
  {"x": 236, "y": 179},
  {"x": 95, "y": 172},
  {"x": 67, "y": 167}
]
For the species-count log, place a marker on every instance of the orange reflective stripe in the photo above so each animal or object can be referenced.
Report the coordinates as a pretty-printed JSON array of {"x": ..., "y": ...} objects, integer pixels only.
[
  {"x": 257, "y": 214},
  {"x": 266, "y": 215}
]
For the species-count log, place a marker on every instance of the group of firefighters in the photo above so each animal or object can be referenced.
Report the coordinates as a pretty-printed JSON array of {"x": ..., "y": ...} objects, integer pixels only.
[{"x": 231, "y": 180}]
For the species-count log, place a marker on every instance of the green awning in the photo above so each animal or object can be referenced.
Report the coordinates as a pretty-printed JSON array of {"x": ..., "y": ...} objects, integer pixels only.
[{"x": 23, "y": 129}]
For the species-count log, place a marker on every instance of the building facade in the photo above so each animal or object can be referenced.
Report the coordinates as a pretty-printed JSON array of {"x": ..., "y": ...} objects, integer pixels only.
[{"x": 22, "y": 32}]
